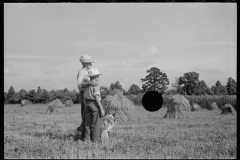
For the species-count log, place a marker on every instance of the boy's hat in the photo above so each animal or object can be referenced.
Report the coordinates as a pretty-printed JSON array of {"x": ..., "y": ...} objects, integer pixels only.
[
  {"x": 85, "y": 59},
  {"x": 93, "y": 72}
]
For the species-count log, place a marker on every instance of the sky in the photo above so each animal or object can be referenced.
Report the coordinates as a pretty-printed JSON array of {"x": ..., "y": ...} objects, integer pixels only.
[{"x": 43, "y": 42}]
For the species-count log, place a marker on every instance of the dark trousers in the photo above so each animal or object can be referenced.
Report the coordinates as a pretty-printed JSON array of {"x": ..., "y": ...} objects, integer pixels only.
[
  {"x": 82, "y": 126},
  {"x": 92, "y": 121}
]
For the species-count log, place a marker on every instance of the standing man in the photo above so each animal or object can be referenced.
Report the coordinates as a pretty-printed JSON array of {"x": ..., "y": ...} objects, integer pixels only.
[{"x": 82, "y": 82}]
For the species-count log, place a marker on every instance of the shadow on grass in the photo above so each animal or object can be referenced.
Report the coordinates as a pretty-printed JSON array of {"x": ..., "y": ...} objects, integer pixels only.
[{"x": 56, "y": 135}]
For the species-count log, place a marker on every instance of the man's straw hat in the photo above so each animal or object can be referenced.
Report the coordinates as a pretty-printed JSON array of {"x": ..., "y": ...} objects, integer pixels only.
[
  {"x": 93, "y": 72},
  {"x": 85, "y": 59}
]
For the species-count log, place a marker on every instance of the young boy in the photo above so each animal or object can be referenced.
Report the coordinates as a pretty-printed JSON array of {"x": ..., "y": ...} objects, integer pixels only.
[{"x": 94, "y": 110}]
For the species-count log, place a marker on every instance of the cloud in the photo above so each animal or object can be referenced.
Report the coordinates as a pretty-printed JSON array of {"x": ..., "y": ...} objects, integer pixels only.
[
  {"x": 52, "y": 72},
  {"x": 8, "y": 72},
  {"x": 40, "y": 80},
  {"x": 13, "y": 56},
  {"x": 130, "y": 63},
  {"x": 110, "y": 43},
  {"x": 209, "y": 71},
  {"x": 150, "y": 52}
]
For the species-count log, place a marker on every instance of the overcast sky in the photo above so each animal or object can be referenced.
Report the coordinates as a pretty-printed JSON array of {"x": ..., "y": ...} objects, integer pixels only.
[{"x": 43, "y": 42}]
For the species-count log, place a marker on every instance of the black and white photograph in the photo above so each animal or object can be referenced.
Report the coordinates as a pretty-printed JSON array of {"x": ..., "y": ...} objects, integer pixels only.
[{"x": 120, "y": 80}]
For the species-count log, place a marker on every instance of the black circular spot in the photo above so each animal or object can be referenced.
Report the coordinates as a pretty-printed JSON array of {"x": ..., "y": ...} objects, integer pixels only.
[{"x": 152, "y": 101}]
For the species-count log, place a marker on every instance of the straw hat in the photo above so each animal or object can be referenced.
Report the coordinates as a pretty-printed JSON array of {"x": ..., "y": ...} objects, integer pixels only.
[
  {"x": 93, "y": 72},
  {"x": 85, "y": 59}
]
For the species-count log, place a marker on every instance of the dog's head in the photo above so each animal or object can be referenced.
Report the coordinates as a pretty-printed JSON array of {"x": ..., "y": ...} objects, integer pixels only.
[
  {"x": 110, "y": 117},
  {"x": 115, "y": 119}
]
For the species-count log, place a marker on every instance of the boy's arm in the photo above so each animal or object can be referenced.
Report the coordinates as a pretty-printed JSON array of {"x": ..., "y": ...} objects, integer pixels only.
[
  {"x": 96, "y": 93},
  {"x": 97, "y": 98},
  {"x": 85, "y": 83}
]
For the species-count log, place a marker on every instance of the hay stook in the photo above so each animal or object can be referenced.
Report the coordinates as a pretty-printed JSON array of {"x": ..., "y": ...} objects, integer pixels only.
[
  {"x": 178, "y": 108},
  {"x": 228, "y": 109},
  {"x": 25, "y": 102},
  {"x": 55, "y": 106},
  {"x": 195, "y": 107},
  {"x": 119, "y": 105},
  {"x": 214, "y": 106},
  {"x": 68, "y": 103}
]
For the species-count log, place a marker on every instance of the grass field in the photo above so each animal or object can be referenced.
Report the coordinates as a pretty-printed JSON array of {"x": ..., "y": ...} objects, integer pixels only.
[{"x": 30, "y": 133}]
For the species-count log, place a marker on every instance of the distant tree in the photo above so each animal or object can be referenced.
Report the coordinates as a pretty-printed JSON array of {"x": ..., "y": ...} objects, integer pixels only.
[
  {"x": 39, "y": 95},
  {"x": 11, "y": 92},
  {"x": 64, "y": 94},
  {"x": 134, "y": 89},
  {"x": 39, "y": 90},
  {"x": 213, "y": 89},
  {"x": 73, "y": 96},
  {"x": 32, "y": 95},
  {"x": 218, "y": 83},
  {"x": 23, "y": 94},
  {"x": 171, "y": 92},
  {"x": 45, "y": 96},
  {"x": 178, "y": 88},
  {"x": 104, "y": 91},
  {"x": 155, "y": 81},
  {"x": 115, "y": 91},
  {"x": 116, "y": 85},
  {"x": 66, "y": 90},
  {"x": 78, "y": 98},
  {"x": 201, "y": 89},
  {"x": 231, "y": 86},
  {"x": 219, "y": 89},
  {"x": 16, "y": 98},
  {"x": 52, "y": 95},
  {"x": 222, "y": 90},
  {"x": 5, "y": 98},
  {"x": 190, "y": 81}
]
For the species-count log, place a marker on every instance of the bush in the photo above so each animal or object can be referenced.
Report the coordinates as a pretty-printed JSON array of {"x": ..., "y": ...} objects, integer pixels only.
[{"x": 135, "y": 98}]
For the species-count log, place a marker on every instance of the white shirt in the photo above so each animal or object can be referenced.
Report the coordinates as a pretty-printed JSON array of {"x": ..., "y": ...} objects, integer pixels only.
[
  {"x": 90, "y": 92},
  {"x": 82, "y": 77}
]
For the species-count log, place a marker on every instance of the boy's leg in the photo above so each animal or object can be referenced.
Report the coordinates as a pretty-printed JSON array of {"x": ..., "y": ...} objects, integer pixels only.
[{"x": 93, "y": 128}]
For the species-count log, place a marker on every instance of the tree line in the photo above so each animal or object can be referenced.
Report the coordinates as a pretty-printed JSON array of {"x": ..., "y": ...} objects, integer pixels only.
[{"x": 188, "y": 84}]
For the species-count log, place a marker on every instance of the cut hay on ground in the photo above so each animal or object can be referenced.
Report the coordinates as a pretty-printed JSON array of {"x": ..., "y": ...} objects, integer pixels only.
[
  {"x": 228, "y": 109},
  {"x": 178, "y": 108},
  {"x": 25, "y": 102},
  {"x": 119, "y": 105},
  {"x": 68, "y": 103},
  {"x": 195, "y": 107}
]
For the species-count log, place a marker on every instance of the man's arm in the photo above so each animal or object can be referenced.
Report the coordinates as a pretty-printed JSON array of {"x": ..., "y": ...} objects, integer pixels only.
[{"x": 83, "y": 82}]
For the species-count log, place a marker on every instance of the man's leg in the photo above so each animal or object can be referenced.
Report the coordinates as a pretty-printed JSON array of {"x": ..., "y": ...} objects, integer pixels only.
[{"x": 82, "y": 126}]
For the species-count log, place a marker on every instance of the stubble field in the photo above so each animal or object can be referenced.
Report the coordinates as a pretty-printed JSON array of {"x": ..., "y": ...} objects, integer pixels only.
[{"x": 30, "y": 133}]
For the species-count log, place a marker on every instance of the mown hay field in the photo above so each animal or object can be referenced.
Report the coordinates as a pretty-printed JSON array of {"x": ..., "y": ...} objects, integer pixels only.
[{"x": 30, "y": 133}]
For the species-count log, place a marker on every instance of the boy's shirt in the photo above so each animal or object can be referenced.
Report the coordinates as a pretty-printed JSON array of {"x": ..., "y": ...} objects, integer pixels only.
[
  {"x": 82, "y": 78},
  {"x": 91, "y": 91}
]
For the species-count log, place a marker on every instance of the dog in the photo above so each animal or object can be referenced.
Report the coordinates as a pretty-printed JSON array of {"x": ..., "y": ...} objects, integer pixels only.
[{"x": 108, "y": 122}]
